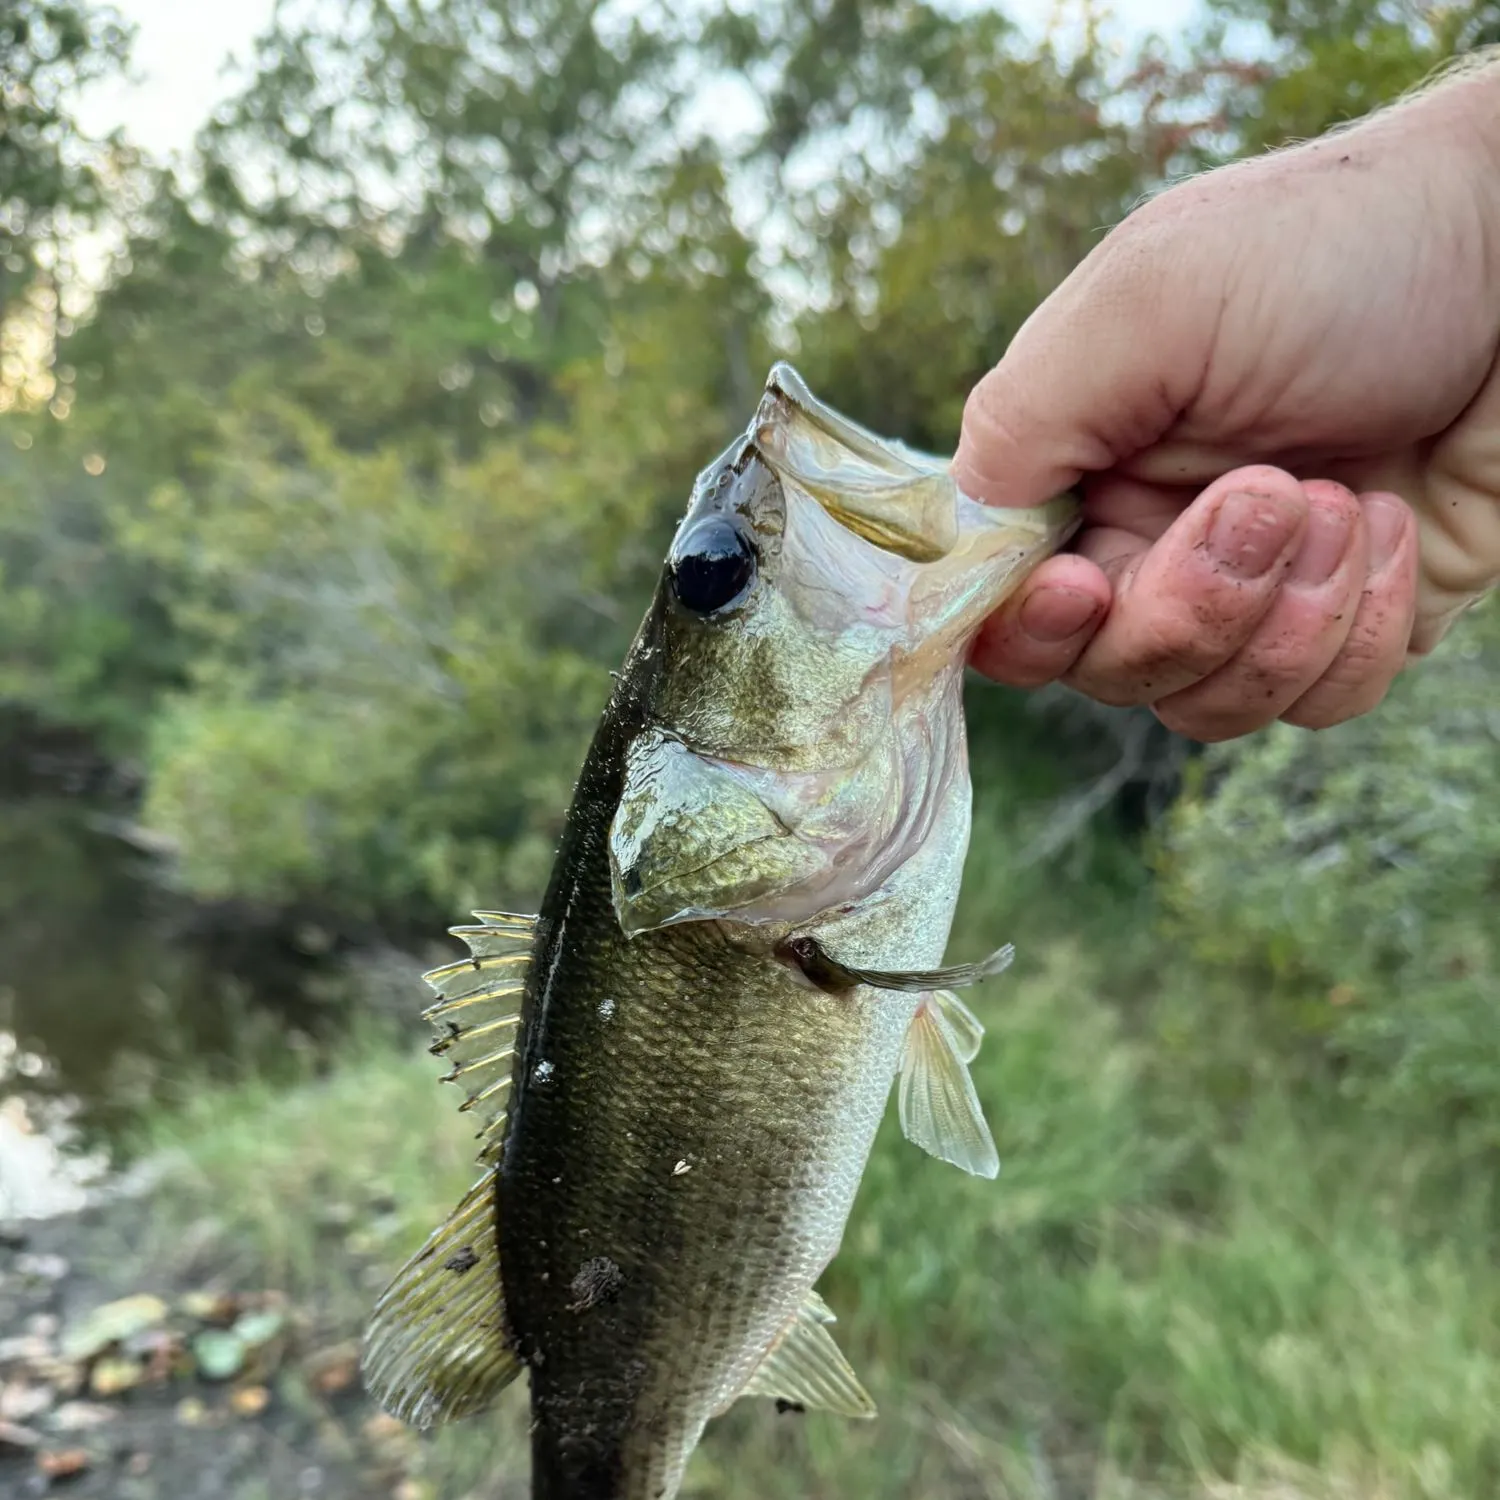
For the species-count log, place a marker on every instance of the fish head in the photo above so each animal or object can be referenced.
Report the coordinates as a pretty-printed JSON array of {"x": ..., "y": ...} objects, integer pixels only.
[{"x": 804, "y": 720}]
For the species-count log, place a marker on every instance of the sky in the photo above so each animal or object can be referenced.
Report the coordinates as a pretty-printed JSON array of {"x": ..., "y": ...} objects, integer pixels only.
[{"x": 183, "y": 46}]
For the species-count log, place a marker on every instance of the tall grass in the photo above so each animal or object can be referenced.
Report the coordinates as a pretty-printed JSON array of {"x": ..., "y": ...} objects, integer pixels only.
[{"x": 1171, "y": 1291}]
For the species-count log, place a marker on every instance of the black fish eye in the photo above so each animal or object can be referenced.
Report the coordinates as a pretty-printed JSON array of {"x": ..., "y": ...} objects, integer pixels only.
[{"x": 713, "y": 567}]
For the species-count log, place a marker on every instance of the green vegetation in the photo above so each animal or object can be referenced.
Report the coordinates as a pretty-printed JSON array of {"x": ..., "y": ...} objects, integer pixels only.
[{"x": 330, "y": 513}]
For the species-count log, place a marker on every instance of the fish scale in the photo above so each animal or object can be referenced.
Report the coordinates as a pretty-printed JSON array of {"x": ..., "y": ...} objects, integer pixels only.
[{"x": 679, "y": 1066}]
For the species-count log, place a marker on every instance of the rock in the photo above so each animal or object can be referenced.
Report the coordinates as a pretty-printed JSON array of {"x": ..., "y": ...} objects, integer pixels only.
[
  {"x": 14, "y": 1438},
  {"x": 112, "y": 1323},
  {"x": 20, "y": 1401},
  {"x": 63, "y": 1463},
  {"x": 112, "y": 1377},
  {"x": 219, "y": 1355},
  {"x": 21, "y": 1349},
  {"x": 80, "y": 1416},
  {"x": 249, "y": 1400},
  {"x": 43, "y": 1267}
]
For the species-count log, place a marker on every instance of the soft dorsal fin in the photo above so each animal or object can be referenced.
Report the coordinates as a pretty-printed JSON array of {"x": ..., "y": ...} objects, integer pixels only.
[
  {"x": 806, "y": 1368},
  {"x": 479, "y": 1016},
  {"x": 940, "y": 1112},
  {"x": 437, "y": 1347}
]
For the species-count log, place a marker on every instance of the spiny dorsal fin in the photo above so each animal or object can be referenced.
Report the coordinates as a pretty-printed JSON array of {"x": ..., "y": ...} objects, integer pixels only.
[
  {"x": 436, "y": 1348},
  {"x": 805, "y": 1367},
  {"x": 479, "y": 1015},
  {"x": 940, "y": 1111}
]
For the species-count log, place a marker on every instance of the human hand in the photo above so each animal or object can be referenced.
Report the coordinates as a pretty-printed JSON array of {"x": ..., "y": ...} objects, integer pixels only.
[{"x": 1278, "y": 385}]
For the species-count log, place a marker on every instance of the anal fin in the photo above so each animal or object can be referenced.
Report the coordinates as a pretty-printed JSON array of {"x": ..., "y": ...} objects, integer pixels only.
[
  {"x": 804, "y": 1367},
  {"x": 940, "y": 1112},
  {"x": 436, "y": 1348}
]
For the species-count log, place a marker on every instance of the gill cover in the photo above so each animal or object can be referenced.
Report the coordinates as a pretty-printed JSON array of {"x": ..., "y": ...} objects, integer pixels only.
[{"x": 820, "y": 595}]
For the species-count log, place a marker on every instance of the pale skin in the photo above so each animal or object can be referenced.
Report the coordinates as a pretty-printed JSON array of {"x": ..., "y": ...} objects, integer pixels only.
[{"x": 1276, "y": 385}]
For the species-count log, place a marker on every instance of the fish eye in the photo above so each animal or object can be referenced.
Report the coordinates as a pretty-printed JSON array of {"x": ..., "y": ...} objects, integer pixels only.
[{"x": 713, "y": 567}]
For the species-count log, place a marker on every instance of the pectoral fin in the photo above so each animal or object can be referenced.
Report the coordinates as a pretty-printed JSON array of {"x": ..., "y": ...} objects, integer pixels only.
[
  {"x": 829, "y": 974},
  {"x": 804, "y": 1367},
  {"x": 940, "y": 1111}
]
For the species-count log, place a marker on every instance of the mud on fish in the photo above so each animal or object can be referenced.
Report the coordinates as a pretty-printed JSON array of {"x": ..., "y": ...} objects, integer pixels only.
[{"x": 679, "y": 1065}]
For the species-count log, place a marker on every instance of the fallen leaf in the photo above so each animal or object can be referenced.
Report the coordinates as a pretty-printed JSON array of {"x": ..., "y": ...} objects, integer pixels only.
[
  {"x": 249, "y": 1400},
  {"x": 219, "y": 1355},
  {"x": 111, "y": 1324},
  {"x": 382, "y": 1427},
  {"x": 191, "y": 1412},
  {"x": 209, "y": 1307},
  {"x": 63, "y": 1463},
  {"x": 256, "y": 1330},
  {"x": 63, "y": 1375},
  {"x": 112, "y": 1377},
  {"x": 334, "y": 1369}
]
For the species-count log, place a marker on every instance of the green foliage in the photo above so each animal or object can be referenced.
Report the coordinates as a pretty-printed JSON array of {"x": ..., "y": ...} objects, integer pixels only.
[
  {"x": 1350, "y": 877},
  {"x": 50, "y": 184}
]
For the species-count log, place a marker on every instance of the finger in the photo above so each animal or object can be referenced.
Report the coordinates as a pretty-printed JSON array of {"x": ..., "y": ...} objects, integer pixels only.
[
  {"x": 1375, "y": 648},
  {"x": 1099, "y": 371},
  {"x": 1040, "y": 632},
  {"x": 1298, "y": 638},
  {"x": 1184, "y": 605}
]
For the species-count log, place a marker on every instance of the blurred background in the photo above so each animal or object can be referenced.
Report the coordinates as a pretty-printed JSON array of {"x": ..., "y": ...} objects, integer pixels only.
[{"x": 348, "y": 397}]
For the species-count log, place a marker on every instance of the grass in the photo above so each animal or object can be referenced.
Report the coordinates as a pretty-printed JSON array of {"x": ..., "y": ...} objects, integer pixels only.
[{"x": 1164, "y": 1297}]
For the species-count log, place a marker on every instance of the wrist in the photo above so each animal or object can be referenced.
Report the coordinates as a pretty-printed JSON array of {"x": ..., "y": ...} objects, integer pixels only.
[{"x": 1453, "y": 123}]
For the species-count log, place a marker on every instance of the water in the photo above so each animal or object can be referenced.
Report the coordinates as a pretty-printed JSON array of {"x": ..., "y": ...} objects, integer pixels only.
[{"x": 115, "y": 991}]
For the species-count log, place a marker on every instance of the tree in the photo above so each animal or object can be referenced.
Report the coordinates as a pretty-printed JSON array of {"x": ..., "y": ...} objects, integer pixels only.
[{"x": 54, "y": 183}]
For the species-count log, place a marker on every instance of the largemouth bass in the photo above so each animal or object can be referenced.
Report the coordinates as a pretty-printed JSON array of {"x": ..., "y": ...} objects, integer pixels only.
[{"x": 680, "y": 1063}]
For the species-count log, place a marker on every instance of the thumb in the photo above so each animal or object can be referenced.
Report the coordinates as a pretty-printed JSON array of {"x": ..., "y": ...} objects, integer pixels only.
[{"x": 1102, "y": 369}]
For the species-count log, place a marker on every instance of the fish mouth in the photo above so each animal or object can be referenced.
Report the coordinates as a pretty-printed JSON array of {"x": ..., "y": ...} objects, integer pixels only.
[{"x": 892, "y": 496}]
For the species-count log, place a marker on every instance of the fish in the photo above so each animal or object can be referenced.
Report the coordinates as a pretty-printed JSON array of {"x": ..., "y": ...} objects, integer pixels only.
[{"x": 679, "y": 1063}]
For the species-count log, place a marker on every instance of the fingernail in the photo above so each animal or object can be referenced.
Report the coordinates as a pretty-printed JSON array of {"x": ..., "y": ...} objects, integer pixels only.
[
  {"x": 1386, "y": 520},
  {"x": 1054, "y": 615},
  {"x": 1250, "y": 532},
  {"x": 1323, "y": 545}
]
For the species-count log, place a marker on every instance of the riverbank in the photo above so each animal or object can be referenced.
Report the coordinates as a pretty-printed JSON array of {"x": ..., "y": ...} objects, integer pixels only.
[{"x": 1158, "y": 1300}]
